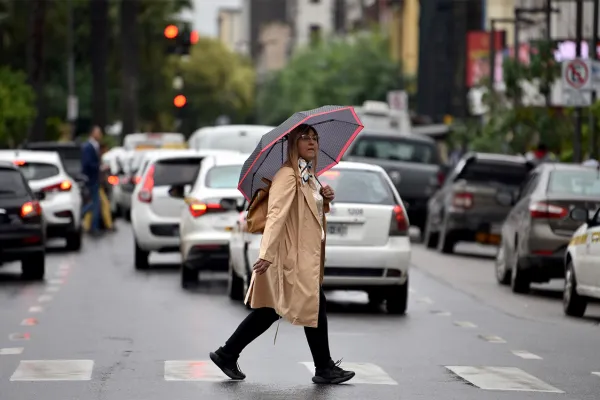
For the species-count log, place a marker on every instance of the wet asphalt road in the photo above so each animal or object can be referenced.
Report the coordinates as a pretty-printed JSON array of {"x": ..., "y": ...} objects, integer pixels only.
[{"x": 101, "y": 330}]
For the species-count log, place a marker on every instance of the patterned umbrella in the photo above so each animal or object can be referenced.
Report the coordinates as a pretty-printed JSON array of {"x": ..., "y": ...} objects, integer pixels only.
[{"x": 337, "y": 126}]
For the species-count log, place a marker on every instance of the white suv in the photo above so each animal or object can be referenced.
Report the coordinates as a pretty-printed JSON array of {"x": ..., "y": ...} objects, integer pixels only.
[
  {"x": 155, "y": 213},
  {"x": 210, "y": 216},
  {"x": 45, "y": 173}
]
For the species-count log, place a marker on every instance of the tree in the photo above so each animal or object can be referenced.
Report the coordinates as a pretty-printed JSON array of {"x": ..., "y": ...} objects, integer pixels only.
[
  {"x": 217, "y": 82},
  {"x": 100, "y": 27},
  {"x": 17, "y": 102},
  {"x": 344, "y": 71}
]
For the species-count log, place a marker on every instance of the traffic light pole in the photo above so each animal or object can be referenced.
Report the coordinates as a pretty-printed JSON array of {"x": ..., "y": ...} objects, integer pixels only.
[
  {"x": 71, "y": 98},
  {"x": 594, "y": 50},
  {"x": 577, "y": 156}
]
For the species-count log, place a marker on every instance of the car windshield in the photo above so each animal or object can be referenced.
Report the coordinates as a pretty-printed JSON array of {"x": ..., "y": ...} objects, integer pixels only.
[
  {"x": 223, "y": 177},
  {"x": 11, "y": 183},
  {"x": 33, "y": 171},
  {"x": 504, "y": 173},
  {"x": 579, "y": 183},
  {"x": 235, "y": 140},
  {"x": 396, "y": 149},
  {"x": 358, "y": 186},
  {"x": 176, "y": 171}
]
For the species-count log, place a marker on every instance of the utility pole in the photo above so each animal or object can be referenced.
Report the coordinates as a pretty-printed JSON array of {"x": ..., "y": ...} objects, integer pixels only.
[
  {"x": 72, "y": 106},
  {"x": 492, "y": 55},
  {"x": 577, "y": 156},
  {"x": 594, "y": 51}
]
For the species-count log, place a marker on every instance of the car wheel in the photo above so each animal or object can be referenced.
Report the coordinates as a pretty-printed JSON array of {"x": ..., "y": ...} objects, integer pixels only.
[
  {"x": 34, "y": 266},
  {"x": 502, "y": 271},
  {"x": 446, "y": 241},
  {"x": 397, "y": 299},
  {"x": 235, "y": 284},
  {"x": 74, "y": 240},
  {"x": 430, "y": 238},
  {"x": 127, "y": 215},
  {"x": 574, "y": 305},
  {"x": 141, "y": 257},
  {"x": 520, "y": 281},
  {"x": 189, "y": 277}
]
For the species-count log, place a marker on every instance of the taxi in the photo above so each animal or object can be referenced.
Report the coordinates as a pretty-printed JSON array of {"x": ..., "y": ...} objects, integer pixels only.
[{"x": 582, "y": 263}]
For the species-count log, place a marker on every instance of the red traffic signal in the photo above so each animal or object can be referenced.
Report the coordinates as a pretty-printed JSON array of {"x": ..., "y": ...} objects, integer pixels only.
[
  {"x": 179, "y": 101},
  {"x": 171, "y": 32},
  {"x": 194, "y": 37}
]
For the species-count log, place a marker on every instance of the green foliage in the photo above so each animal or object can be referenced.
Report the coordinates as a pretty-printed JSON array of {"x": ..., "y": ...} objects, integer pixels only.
[
  {"x": 337, "y": 71},
  {"x": 17, "y": 108}
]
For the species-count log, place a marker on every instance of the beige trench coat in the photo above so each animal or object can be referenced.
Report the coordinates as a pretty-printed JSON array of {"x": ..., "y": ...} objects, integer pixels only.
[{"x": 292, "y": 243}]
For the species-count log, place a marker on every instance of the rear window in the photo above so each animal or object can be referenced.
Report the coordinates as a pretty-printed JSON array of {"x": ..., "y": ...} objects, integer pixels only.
[
  {"x": 38, "y": 171},
  {"x": 176, "y": 171},
  {"x": 503, "y": 173},
  {"x": 356, "y": 186},
  {"x": 580, "y": 183},
  {"x": 396, "y": 149},
  {"x": 242, "y": 141},
  {"x": 224, "y": 177},
  {"x": 11, "y": 183}
]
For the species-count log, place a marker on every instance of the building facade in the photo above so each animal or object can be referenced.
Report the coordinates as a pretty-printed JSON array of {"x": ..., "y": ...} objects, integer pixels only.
[{"x": 230, "y": 29}]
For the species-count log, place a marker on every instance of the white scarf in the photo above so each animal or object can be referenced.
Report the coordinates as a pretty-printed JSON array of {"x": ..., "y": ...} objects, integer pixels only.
[{"x": 305, "y": 168}]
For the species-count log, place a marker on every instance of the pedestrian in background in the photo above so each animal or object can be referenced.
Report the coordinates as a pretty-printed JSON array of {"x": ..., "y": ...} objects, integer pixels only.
[
  {"x": 106, "y": 220},
  {"x": 540, "y": 155},
  {"x": 90, "y": 166},
  {"x": 291, "y": 256}
]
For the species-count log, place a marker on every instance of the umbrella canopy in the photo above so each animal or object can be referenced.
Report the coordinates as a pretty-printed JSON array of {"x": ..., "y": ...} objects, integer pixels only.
[{"x": 337, "y": 126}]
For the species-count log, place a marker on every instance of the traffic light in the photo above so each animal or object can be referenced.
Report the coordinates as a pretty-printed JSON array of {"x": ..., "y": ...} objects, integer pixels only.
[
  {"x": 180, "y": 101},
  {"x": 180, "y": 39}
]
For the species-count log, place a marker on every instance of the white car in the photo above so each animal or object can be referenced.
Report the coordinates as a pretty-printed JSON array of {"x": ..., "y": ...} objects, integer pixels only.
[
  {"x": 155, "y": 213},
  {"x": 582, "y": 263},
  {"x": 368, "y": 245},
  {"x": 61, "y": 206},
  {"x": 210, "y": 216},
  {"x": 240, "y": 138}
]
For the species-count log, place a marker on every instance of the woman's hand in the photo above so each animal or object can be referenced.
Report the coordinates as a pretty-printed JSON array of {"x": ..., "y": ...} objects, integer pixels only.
[
  {"x": 328, "y": 193},
  {"x": 261, "y": 266}
]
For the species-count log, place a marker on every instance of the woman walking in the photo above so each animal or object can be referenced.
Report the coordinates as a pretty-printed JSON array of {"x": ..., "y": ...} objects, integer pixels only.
[{"x": 288, "y": 275}]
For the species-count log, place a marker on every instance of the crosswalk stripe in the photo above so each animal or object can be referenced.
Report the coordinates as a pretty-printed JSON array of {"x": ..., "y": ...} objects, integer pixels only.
[
  {"x": 193, "y": 370},
  {"x": 7, "y": 351},
  {"x": 53, "y": 370},
  {"x": 465, "y": 324},
  {"x": 502, "y": 378},
  {"x": 526, "y": 355},
  {"x": 596, "y": 373},
  {"x": 492, "y": 338},
  {"x": 366, "y": 373}
]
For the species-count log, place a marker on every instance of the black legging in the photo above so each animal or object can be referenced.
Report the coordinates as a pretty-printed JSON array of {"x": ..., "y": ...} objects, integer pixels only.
[{"x": 260, "y": 319}]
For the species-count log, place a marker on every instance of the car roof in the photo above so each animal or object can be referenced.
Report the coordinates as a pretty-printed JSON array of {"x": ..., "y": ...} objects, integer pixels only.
[
  {"x": 351, "y": 165},
  {"x": 230, "y": 159},
  {"x": 391, "y": 134},
  {"x": 499, "y": 157},
  {"x": 8, "y": 164},
  {"x": 223, "y": 128},
  {"x": 155, "y": 155},
  {"x": 30, "y": 156},
  {"x": 58, "y": 145}
]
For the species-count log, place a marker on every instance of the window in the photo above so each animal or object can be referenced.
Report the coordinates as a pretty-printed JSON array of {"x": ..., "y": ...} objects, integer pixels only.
[
  {"x": 396, "y": 149},
  {"x": 176, "y": 171},
  {"x": 575, "y": 182},
  {"x": 38, "y": 171},
  {"x": 12, "y": 183},
  {"x": 356, "y": 186},
  {"x": 504, "y": 173},
  {"x": 315, "y": 34},
  {"x": 224, "y": 177}
]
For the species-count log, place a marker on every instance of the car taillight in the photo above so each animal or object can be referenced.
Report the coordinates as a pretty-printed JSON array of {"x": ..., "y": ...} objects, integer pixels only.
[
  {"x": 31, "y": 209},
  {"x": 545, "y": 210},
  {"x": 63, "y": 186},
  {"x": 399, "y": 224},
  {"x": 198, "y": 209},
  {"x": 463, "y": 200},
  {"x": 145, "y": 195},
  {"x": 441, "y": 177},
  {"x": 113, "y": 180},
  {"x": 136, "y": 179}
]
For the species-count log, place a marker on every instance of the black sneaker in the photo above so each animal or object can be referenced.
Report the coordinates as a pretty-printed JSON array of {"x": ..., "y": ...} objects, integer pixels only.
[
  {"x": 333, "y": 374},
  {"x": 228, "y": 364}
]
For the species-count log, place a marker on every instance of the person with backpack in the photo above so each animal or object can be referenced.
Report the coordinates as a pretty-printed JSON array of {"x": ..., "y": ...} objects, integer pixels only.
[{"x": 288, "y": 275}]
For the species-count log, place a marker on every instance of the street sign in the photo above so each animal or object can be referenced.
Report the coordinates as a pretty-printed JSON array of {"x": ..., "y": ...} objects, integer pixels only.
[
  {"x": 397, "y": 100},
  {"x": 577, "y": 74},
  {"x": 576, "y": 98}
]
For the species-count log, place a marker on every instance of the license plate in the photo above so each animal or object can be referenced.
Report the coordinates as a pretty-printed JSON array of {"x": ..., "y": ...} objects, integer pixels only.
[
  {"x": 337, "y": 229},
  {"x": 496, "y": 229}
]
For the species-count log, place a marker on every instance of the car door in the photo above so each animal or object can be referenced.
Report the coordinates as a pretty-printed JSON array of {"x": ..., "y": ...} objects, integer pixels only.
[
  {"x": 592, "y": 254},
  {"x": 438, "y": 201},
  {"x": 520, "y": 212}
]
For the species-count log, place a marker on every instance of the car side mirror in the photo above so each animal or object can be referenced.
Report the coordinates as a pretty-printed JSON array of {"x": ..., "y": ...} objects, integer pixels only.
[
  {"x": 505, "y": 198},
  {"x": 177, "y": 191},
  {"x": 579, "y": 215},
  {"x": 39, "y": 196},
  {"x": 229, "y": 204}
]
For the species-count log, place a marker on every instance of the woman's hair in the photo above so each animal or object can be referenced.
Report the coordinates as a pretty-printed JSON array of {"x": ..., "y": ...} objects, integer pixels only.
[{"x": 292, "y": 150}]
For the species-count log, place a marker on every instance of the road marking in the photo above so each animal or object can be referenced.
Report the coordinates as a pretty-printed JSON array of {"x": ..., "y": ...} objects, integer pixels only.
[
  {"x": 502, "y": 378},
  {"x": 199, "y": 370},
  {"x": 11, "y": 351},
  {"x": 441, "y": 313},
  {"x": 465, "y": 324},
  {"x": 366, "y": 373},
  {"x": 492, "y": 338},
  {"x": 54, "y": 370},
  {"x": 36, "y": 309},
  {"x": 45, "y": 298},
  {"x": 52, "y": 289},
  {"x": 526, "y": 355},
  {"x": 19, "y": 336},
  {"x": 29, "y": 322},
  {"x": 425, "y": 300},
  {"x": 56, "y": 281},
  {"x": 596, "y": 373}
]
